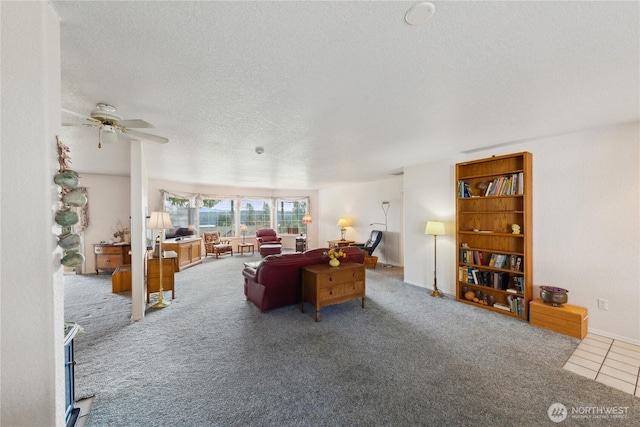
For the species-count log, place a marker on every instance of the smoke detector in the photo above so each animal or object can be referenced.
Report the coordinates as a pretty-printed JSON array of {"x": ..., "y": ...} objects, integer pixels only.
[
  {"x": 259, "y": 150},
  {"x": 419, "y": 13}
]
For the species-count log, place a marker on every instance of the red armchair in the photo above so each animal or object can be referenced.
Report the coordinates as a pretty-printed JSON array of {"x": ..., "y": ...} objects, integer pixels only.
[{"x": 267, "y": 236}]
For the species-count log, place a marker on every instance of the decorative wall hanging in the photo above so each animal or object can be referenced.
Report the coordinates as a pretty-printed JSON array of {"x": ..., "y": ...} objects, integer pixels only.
[{"x": 71, "y": 198}]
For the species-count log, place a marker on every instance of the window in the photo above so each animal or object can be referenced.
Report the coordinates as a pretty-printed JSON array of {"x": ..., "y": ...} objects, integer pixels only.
[
  {"x": 180, "y": 211},
  {"x": 255, "y": 214},
  {"x": 218, "y": 215},
  {"x": 289, "y": 216}
]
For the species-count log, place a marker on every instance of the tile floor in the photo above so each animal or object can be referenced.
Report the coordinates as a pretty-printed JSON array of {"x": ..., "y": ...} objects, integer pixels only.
[{"x": 608, "y": 361}]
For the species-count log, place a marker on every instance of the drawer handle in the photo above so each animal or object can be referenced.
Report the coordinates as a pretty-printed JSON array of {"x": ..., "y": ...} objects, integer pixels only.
[
  {"x": 330, "y": 279},
  {"x": 330, "y": 291}
]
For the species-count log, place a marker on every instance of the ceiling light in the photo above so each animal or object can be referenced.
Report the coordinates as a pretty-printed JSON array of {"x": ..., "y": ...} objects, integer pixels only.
[
  {"x": 259, "y": 150},
  {"x": 419, "y": 13}
]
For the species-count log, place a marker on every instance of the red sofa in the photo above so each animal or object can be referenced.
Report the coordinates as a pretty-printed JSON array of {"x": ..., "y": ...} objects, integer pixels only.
[{"x": 276, "y": 282}]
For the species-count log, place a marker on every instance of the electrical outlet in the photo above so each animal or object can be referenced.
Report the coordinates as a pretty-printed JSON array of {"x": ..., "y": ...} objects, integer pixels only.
[{"x": 603, "y": 304}]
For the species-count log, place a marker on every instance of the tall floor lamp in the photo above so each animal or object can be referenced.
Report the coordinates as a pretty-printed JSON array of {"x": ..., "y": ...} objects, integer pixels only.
[
  {"x": 435, "y": 228},
  {"x": 160, "y": 221}
]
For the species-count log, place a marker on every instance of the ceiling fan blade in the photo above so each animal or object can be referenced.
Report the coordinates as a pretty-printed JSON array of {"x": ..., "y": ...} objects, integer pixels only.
[
  {"x": 147, "y": 136},
  {"x": 135, "y": 124},
  {"x": 87, "y": 121}
]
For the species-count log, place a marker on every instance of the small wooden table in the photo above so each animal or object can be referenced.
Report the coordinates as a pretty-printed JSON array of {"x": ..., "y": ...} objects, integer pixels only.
[
  {"x": 249, "y": 246},
  {"x": 340, "y": 243},
  {"x": 566, "y": 319},
  {"x": 168, "y": 277},
  {"x": 325, "y": 285}
]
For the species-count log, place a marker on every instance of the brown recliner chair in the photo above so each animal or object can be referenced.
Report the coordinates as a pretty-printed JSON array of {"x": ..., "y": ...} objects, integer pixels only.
[
  {"x": 267, "y": 236},
  {"x": 268, "y": 242}
]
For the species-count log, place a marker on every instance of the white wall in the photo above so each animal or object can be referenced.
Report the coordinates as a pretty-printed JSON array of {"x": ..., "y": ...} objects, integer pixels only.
[
  {"x": 361, "y": 204},
  {"x": 586, "y": 222},
  {"x": 109, "y": 202},
  {"x": 430, "y": 196},
  {"x": 31, "y": 283}
]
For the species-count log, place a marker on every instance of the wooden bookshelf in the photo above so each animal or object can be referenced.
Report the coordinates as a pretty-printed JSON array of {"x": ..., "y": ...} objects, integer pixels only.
[{"x": 492, "y": 195}]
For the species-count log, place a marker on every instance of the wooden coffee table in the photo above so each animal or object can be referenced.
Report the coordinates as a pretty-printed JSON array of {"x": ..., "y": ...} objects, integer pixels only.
[{"x": 248, "y": 246}]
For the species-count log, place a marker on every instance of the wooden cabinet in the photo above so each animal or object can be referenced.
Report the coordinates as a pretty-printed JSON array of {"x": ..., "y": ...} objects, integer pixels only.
[
  {"x": 189, "y": 251},
  {"x": 494, "y": 259},
  {"x": 168, "y": 275},
  {"x": 566, "y": 319},
  {"x": 325, "y": 285},
  {"x": 109, "y": 257}
]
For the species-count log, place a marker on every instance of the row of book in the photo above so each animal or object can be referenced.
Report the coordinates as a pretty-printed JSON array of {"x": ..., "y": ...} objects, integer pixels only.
[
  {"x": 506, "y": 185},
  {"x": 511, "y": 262},
  {"x": 514, "y": 305},
  {"x": 492, "y": 279},
  {"x": 501, "y": 186}
]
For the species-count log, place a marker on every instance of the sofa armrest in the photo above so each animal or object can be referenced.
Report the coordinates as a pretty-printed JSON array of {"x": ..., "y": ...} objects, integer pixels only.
[{"x": 249, "y": 273}]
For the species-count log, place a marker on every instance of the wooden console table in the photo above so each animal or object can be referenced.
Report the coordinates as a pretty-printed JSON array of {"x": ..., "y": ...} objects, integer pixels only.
[
  {"x": 189, "y": 251},
  {"x": 108, "y": 257},
  {"x": 325, "y": 285}
]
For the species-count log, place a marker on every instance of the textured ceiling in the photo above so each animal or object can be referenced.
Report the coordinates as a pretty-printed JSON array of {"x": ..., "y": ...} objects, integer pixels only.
[{"x": 339, "y": 91}]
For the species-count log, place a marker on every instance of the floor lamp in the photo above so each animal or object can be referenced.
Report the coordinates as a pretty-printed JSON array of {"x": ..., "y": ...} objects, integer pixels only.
[
  {"x": 435, "y": 228},
  {"x": 160, "y": 221}
]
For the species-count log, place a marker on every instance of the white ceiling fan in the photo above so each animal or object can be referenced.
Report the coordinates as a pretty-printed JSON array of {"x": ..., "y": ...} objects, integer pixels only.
[{"x": 104, "y": 117}]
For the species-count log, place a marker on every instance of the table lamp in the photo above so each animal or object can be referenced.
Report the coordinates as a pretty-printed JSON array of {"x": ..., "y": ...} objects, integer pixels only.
[
  {"x": 435, "y": 228},
  {"x": 160, "y": 221},
  {"x": 342, "y": 223},
  {"x": 243, "y": 230}
]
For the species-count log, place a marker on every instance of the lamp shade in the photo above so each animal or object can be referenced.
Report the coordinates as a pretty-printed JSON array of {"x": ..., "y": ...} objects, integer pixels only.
[
  {"x": 160, "y": 221},
  {"x": 342, "y": 222},
  {"x": 243, "y": 228},
  {"x": 435, "y": 228}
]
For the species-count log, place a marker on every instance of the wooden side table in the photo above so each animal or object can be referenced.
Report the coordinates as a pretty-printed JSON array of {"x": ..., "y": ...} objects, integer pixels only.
[
  {"x": 340, "y": 243},
  {"x": 325, "y": 285},
  {"x": 168, "y": 275},
  {"x": 566, "y": 319},
  {"x": 108, "y": 257},
  {"x": 248, "y": 246},
  {"x": 301, "y": 244}
]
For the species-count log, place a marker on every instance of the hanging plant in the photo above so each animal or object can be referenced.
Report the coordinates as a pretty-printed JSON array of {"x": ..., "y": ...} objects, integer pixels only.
[{"x": 67, "y": 217}]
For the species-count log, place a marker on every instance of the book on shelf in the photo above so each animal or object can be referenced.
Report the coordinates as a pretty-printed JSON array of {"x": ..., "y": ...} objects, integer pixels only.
[
  {"x": 512, "y": 262},
  {"x": 518, "y": 284},
  {"x": 506, "y": 185},
  {"x": 492, "y": 260},
  {"x": 517, "y": 305},
  {"x": 501, "y": 306}
]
